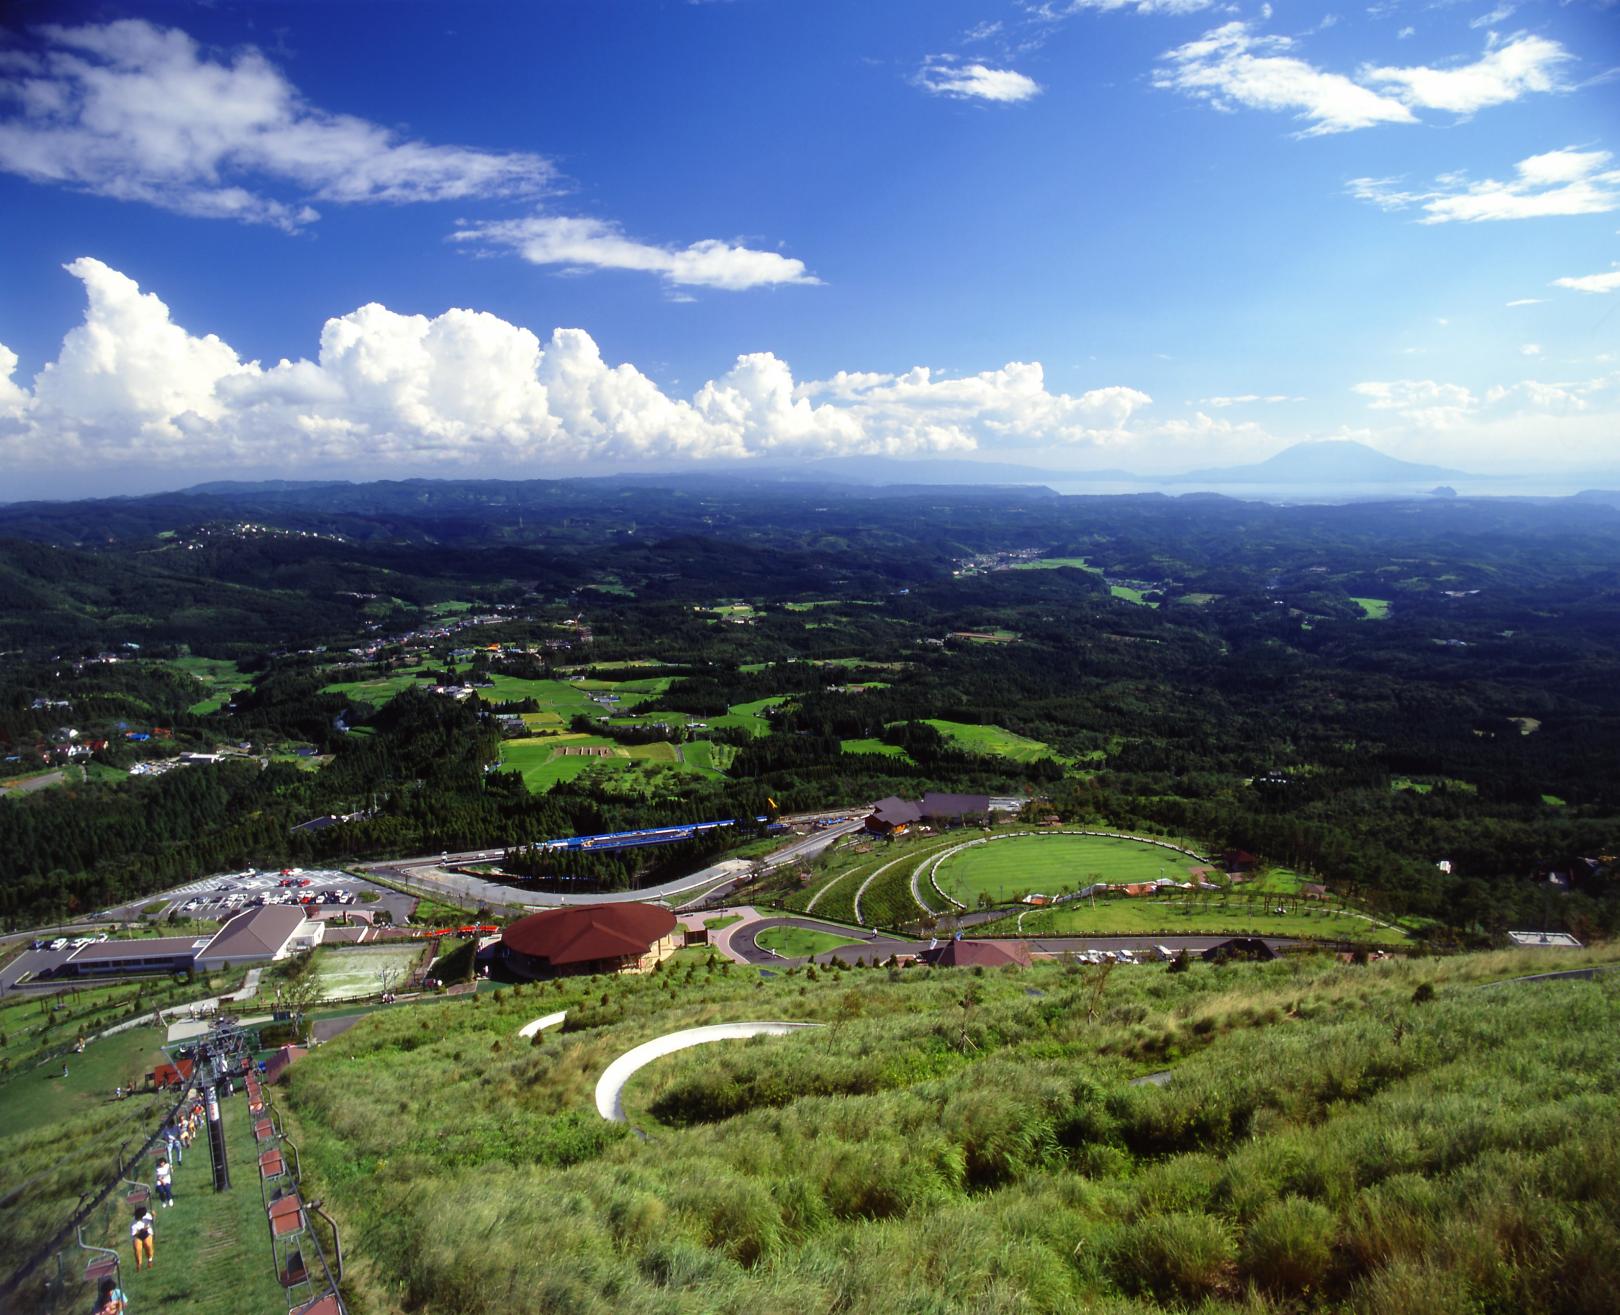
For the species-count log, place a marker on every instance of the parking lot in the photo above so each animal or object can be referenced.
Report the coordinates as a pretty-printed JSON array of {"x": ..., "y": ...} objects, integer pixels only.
[{"x": 216, "y": 898}]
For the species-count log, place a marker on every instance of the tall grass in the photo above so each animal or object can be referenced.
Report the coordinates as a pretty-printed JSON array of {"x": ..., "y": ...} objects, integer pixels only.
[{"x": 952, "y": 1142}]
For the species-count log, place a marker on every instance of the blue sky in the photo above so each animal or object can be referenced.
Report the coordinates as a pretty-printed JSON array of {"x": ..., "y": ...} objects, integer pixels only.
[{"x": 366, "y": 239}]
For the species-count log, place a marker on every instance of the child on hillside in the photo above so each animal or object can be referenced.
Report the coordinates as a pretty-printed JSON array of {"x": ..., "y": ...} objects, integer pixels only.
[
  {"x": 165, "y": 1181},
  {"x": 141, "y": 1231}
]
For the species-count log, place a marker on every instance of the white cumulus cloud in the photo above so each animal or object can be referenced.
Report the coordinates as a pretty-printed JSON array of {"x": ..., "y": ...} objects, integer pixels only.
[
  {"x": 394, "y": 392},
  {"x": 580, "y": 244},
  {"x": 1561, "y": 182},
  {"x": 945, "y": 76},
  {"x": 140, "y": 112}
]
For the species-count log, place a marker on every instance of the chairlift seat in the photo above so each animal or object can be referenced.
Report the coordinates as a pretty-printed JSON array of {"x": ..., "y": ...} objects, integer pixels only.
[
  {"x": 101, "y": 1267},
  {"x": 271, "y": 1165},
  {"x": 326, "y": 1304},
  {"x": 264, "y": 1129},
  {"x": 296, "y": 1272},
  {"x": 139, "y": 1194},
  {"x": 287, "y": 1203},
  {"x": 289, "y": 1223}
]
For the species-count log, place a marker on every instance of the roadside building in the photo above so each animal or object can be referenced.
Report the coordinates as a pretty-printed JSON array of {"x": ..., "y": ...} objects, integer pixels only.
[
  {"x": 159, "y": 954},
  {"x": 893, "y": 816},
  {"x": 589, "y": 938}
]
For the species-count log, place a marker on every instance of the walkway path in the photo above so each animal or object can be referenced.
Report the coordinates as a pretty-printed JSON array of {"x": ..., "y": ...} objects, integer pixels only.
[{"x": 610, "y": 1087}]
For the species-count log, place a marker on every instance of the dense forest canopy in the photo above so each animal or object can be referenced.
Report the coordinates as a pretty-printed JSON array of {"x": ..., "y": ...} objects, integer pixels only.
[{"x": 1364, "y": 691}]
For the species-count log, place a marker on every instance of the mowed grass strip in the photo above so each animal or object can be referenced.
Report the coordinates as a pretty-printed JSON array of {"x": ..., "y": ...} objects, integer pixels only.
[
  {"x": 1010, "y": 868},
  {"x": 1193, "y": 915}
]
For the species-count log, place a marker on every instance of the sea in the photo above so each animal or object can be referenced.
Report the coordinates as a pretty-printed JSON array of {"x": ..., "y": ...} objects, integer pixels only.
[{"x": 1503, "y": 486}]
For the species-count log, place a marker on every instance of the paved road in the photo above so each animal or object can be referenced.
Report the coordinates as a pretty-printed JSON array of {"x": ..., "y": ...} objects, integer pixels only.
[
  {"x": 427, "y": 875},
  {"x": 743, "y": 945}
]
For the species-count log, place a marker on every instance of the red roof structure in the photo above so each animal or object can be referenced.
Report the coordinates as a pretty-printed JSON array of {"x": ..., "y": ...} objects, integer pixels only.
[
  {"x": 978, "y": 954},
  {"x": 589, "y": 933}
]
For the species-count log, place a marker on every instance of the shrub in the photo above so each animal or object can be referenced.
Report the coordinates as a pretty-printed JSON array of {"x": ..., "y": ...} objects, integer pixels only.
[
  {"x": 1412, "y": 1288},
  {"x": 1174, "y": 1256},
  {"x": 1289, "y": 1247}
]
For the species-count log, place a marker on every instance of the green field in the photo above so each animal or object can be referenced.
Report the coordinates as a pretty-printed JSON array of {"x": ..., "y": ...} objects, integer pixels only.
[
  {"x": 351, "y": 972},
  {"x": 875, "y": 746},
  {"x": 379, "y": 689},
  {"x": 220, "y": 675},
  {"x": 659, "y": 751},
  {"x": 707, "y": 757},
  {"x": 1048, "y": 865},
  {"x": 1130, "y": 594},
  {"x": 542, "y": 766},
  {"x": 1373, "y": 609},
  {"x": 1191, "y": 914},
  {"x": 993, "y": 741},
  {"x": 801, "y": 942},
  {"x": 1053, "y": 563},
  {"x": 747, "y": 716}
]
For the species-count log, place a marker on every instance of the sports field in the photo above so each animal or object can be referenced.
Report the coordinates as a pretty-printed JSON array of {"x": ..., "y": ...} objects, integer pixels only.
[
  {"x": 1372, "y": 609},
  {"x": 350, "y": 973},
  {"x": 1008, "y": 869}
]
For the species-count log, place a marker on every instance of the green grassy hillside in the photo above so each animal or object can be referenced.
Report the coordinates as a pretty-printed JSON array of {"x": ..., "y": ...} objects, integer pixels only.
[{"x": 1399, "y": 1137}]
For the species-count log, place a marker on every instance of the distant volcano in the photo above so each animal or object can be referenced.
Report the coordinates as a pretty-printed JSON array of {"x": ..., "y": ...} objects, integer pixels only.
[{"x": 1333, "y": 461}]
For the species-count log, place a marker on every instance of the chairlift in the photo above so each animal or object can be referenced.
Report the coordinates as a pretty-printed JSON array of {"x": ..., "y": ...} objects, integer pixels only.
[{"x": 102, "y": 1264}]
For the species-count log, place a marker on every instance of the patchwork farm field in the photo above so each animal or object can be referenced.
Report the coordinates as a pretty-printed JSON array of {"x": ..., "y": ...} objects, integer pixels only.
[{"x": 1005, "y": 870}]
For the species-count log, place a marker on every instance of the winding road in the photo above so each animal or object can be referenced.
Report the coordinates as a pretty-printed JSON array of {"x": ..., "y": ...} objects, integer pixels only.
[{"x": 875, "y": 947}]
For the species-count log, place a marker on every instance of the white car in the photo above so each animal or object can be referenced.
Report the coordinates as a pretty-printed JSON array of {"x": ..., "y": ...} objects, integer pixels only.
[{"x": 60, "y": 943}]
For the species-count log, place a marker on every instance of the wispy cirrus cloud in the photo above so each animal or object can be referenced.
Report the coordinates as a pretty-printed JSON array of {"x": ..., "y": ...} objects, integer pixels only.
[
  {"x": 1504, "y": 73},
  {"x": 1592, "y": 283},
  {"x": 945, "y": 75},
  {"x": 1249, "y": 399},
  {"x": 1562, "y": 182},
  {"x": 578, "y": 244},
  {"x": 1234, "y": 66},
  {"x": 139, "y": 112}
]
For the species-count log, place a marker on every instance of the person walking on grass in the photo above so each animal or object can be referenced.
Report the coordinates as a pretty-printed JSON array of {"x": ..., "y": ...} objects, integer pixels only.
[
  {"x": 141, "y": 1230},
  {"x": 165, "y": 1181}
]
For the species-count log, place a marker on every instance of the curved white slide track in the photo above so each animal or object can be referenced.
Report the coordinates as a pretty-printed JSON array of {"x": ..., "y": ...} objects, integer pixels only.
[
  {"x": 610, "y": 1086},
  {"x": 542, "y": 1023}
]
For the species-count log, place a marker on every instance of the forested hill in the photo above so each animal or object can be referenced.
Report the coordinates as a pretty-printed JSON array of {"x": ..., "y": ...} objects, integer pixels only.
[{"x": 1362, "y": 691}]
